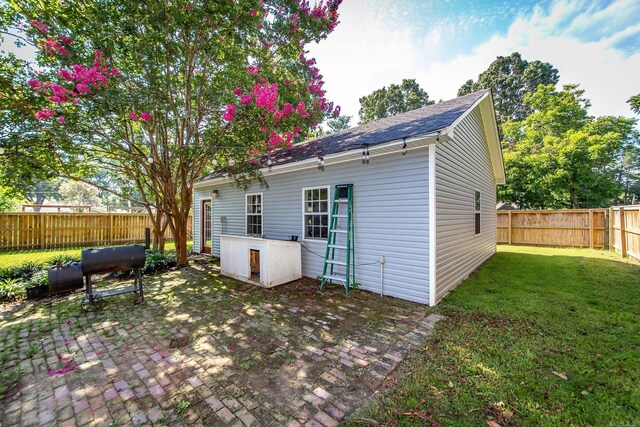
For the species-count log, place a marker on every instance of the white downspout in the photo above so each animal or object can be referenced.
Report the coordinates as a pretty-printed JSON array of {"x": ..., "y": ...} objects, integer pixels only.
[{"x": 432, "y": 224}]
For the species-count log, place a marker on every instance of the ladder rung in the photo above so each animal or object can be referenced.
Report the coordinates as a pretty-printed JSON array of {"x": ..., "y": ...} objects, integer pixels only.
[
  {"x": 330, "y": 261},
  {"x": 340, "y": 216},
  {"x": 338, "y": 247},
  {"x": 342, "y": 200},
  {"x": 333, "y": 277},
  {"x": 338, "y": 230}
]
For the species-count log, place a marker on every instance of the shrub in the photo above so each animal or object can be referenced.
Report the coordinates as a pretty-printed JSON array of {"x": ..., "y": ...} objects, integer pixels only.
[
  {"x": 62, "y": 259},
  {"x": 22, "y": 272},
  {"x": 12, "y": 290},
  {"x": 39, "y": 278},
  {"x": 156, "y": 262}
]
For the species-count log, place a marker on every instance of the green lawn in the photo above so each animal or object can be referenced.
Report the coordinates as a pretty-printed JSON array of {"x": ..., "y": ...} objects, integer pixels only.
[
  {"x": 537, "y": 336},
  {"x": 15, "y": 258}
]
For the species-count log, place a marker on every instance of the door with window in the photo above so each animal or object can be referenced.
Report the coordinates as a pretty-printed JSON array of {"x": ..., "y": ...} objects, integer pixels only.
[{"x": 207, "y": 231}]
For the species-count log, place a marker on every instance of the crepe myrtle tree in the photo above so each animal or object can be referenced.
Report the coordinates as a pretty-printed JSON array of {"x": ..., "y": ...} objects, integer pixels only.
[{"x": 162, "y": 92}]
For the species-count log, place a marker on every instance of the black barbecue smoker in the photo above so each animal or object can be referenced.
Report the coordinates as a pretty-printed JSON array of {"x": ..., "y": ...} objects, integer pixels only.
[{"x": 98, "y": 261}]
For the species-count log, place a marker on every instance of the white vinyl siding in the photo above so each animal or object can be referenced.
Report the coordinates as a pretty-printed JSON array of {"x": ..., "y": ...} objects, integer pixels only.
[
  {"x": 463, "y": 167},
  {"x": 390, "y": 207}
]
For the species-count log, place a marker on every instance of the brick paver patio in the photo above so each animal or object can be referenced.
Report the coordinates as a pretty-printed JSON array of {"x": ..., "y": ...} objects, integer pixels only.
[{"x": 291, "y": 355}]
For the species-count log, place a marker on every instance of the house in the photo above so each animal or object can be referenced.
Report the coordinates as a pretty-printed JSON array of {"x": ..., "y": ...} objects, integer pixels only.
[{"x": 424, "y": 197}]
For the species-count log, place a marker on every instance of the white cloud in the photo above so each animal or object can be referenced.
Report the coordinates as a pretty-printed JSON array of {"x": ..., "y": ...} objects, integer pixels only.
[{"x": 372, "y": 48}]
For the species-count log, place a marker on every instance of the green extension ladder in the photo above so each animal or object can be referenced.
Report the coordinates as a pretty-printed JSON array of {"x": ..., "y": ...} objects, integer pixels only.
[{"x": 340, "y": 241}]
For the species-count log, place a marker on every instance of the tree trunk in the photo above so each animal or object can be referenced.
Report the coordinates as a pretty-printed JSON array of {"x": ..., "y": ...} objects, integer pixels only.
[
  {"x": 573, "y": 197},
  {"x": 178, "y": 226}
]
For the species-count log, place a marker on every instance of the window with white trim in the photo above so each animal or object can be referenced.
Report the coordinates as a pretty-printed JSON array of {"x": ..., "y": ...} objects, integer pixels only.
[
  {"x": 254, "y": 214},
  {"x": 476, "y": 213},
  {"x": 315, "y": 212}
]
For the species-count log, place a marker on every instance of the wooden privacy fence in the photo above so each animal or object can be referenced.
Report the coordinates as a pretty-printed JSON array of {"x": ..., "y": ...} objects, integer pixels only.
[
  {"x": 567, "y": 228},
  {"x": 624, "y": 230},
  {"x": 26, "y": 230}
]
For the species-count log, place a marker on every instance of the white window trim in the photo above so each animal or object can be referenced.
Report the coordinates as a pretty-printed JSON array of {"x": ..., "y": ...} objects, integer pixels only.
[
  {"x": 477, "y": 212},
  {"x": 246, "y": 196},
  {"x": 329, "y": 207}
]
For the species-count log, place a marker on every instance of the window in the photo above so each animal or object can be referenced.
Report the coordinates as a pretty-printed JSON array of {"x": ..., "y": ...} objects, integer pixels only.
[
  {"x": 477, "y": 212},
  {"x": 315, "y": 212},
  {"x": 254, "y": 214}
]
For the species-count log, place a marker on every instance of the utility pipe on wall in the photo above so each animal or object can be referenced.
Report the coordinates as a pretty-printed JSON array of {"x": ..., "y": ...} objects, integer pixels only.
[{"x": 381, "y": 261}]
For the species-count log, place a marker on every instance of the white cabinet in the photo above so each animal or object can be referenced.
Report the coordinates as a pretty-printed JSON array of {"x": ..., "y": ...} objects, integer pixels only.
[{"x": 263, "y": 262}]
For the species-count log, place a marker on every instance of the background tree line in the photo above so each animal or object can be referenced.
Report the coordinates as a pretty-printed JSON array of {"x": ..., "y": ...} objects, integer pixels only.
[{"x": 556, "y": 155}]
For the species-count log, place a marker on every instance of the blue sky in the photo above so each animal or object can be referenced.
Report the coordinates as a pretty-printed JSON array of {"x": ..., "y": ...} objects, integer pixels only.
[{"x": 443, "y": 43}]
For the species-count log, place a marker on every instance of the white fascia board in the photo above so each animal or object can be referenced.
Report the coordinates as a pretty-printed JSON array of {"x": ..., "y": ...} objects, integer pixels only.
[
  {"x": 394, "y": 146},
  {"x": 489, "y": 123}
]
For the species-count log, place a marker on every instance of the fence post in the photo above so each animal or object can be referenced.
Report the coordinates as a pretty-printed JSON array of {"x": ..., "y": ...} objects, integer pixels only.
[
  {"x": 611, "y": 230},
  {"x": 509, "y": 239},
  {"x": 591, "y": 228},
  {"x": 623, "y": 234}
]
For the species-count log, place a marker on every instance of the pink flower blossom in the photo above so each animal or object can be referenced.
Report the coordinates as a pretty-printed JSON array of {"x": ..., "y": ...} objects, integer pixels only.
[
  {"x": 232, "y": 347},
  {"x": 246, "y": 99},
  {"x": 35, "y": 84},
  {"x": 52, "y": 47},
  {"x": 274, "y": 139},
  {"x": 60, "y": 119},
  {"x": 237, "y": 91},
  {"x": 115, "y": 72},
  {"x": 82, "y": 88},
  {"x": 231, "y": 111},
  {"x": 146, "y": 117},
  {"x": 133, "y": 116},
  {"x": 66, "y": 40},
  {"x": 253, "y": 12},
  {"x": 45, "y": 114},
  {"x": 266, "y": 95},
  {"x": 302, "y": 110},
  {"x": 163, "y": 356},
  {"x": 252, "y": 69},
  {"x": 336, "y": 112},
  {"x": 40, "y": 26},
  {"x": 65, "y": 74}
]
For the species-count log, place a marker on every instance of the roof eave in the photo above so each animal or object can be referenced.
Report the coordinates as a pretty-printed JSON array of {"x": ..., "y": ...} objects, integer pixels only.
[{"x": 414, "y": 141}]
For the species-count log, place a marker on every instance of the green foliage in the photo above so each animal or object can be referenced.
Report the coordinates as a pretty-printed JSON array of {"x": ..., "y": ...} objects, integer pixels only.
[
  {"x": 79, "y": 193},
  {"x": 392, "y": 100},
  {"x": 634, "y": 102},
  {"x": 24, "y": 271},
  {"x": 525, "y": 314},
  {"x": 12, "y": 290},
  {"x": 63, "y": 259},
  {"x": 337, "y": 124},
  {"x": 39, "y": 278},
  {"x": 511, "y": 78},
  {"x": 559, "y": 156},
  {"x": 179, "y": 64},
  {"x": 156, "y": 262},
  {"x": 8, "y": 201},
  {"x": 10, "y": 381}
]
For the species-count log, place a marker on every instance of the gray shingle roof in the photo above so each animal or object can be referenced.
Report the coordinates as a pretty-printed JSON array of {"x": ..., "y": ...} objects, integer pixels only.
[{"x": 423, "y": 120}]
